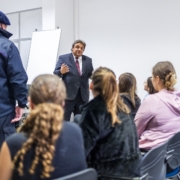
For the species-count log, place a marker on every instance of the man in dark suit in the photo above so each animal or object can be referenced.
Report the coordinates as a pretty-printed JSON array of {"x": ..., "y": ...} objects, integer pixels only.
[{"x": 75, "y": 70}]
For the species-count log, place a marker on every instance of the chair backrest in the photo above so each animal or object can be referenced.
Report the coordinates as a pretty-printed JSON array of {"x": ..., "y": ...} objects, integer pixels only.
[
  {"x": 87, "y": 174},
  {"x": 154, "y": 163},
  {"x": 108, "y": 177},
  {"x": 173, "y": 148}
]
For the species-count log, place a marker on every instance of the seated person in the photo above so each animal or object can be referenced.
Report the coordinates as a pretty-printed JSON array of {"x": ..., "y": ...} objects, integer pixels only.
[
  {"x": 127, "y": 89},
  {"x": 150, "y": 87},
  {"x": 46, "y": 147},
  {"x": 146, "y": 89},
  {"x": 158, "y": 117},
  {"x": 110, "y": 137}
]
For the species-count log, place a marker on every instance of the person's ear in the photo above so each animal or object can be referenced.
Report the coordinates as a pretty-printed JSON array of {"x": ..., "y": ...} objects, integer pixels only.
[
  {"x": 31, "y": 105},
  {"x": 3, "y": 26},
  {"x": 157, "y": 79},
  {"x": 63, "y": 103},
  {"x": 91, "y": 86}
]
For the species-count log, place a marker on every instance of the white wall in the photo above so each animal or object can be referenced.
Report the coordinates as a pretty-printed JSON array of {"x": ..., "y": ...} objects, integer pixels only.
[
  {"x": 65, "y": 21},
  {"x": 131, "y": 36},
  {"x": 48, "y": 14},
  {"x": 124, "y": 35},
  {"x": 8, "y": 6}
]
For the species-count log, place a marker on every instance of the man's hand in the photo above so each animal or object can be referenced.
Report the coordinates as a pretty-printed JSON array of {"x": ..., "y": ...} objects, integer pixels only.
[
  {"x": 64, "y": 69},
  {"x": 19, "y": 112}
]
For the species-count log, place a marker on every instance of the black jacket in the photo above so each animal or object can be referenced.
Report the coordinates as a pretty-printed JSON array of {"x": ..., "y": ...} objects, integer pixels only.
[
  {"x": 110, "y": 150},
  {"x": 13, "y": 77},
  {"x": 72, "y": 79},
  {"x": 128, "y": 102}
]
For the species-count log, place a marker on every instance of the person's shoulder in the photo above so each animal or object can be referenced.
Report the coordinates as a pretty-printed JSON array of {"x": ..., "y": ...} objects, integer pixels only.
[
  {"x": 16, "y": 140},
  {"x": 96, "y": 104},
  {"x": 124, "y": 116},
  {"x": 126, "y": 98},
  {"x": 71, "y": 127},
  {"x": 126, "y": 120},
  {"x": 86, "y": 57},
  {"x": 8, "y": 43},
  {"x": 16, "y": 136},
  {"x": 11, "y": 47},
  {"x": 137, "y": 101},
  {"x": 151, "y": 98},
  {"x": 65, "y": 55},
  {"x": 94, "y": 110},
  {"x": 150, "y": 103}
]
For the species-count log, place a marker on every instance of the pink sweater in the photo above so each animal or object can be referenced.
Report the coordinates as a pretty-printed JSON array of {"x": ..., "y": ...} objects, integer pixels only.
[{"x": 158, "y": 118}]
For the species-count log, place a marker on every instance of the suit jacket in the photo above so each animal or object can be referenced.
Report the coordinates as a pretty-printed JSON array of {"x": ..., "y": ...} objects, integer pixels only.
[{"x": 72, "y": 79}]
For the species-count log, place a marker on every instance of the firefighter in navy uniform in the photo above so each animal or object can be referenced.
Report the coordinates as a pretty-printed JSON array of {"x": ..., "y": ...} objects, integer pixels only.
[{"x": 13, "y": 79}]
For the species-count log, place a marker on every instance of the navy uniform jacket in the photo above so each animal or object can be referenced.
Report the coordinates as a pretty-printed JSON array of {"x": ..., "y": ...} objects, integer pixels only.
[
  {"x": 72, "y": 79},
  {"x": 13, "y": 77}
]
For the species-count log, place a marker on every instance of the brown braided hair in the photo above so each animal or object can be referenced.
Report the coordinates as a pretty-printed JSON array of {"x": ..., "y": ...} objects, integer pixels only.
[
  {"x": 43, "y": 125},
  {"x": 104, "y": 82},
  {"x": 167, "y": 74}
]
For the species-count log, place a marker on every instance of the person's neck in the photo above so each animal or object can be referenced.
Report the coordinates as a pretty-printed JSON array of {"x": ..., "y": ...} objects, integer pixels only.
[
  {"x": 161, "y": 88},
  {"x": 95, "y": 93},
  {"x": 5, "y": 33}
]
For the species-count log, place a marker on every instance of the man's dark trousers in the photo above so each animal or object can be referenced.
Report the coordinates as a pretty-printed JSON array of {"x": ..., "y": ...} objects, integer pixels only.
[
  {"x": 73, "y": 106},
  {"x": 6, "y": 127}
]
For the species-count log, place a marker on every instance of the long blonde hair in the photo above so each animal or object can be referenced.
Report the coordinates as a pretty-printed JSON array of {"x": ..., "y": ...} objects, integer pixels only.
[
  {"x": 104, "y": 82},
  {"x": 43, "y": 125}
]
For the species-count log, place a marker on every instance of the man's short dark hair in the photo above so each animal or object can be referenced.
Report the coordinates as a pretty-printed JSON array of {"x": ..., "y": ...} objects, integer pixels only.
[{"x": 79, "y": 41}]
